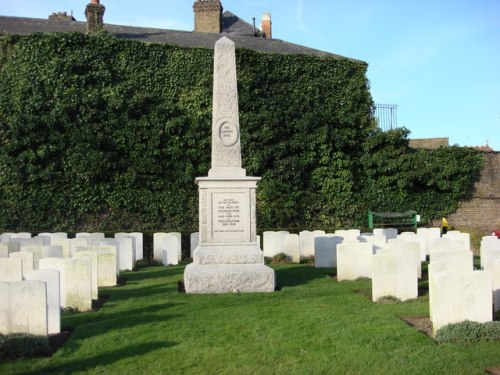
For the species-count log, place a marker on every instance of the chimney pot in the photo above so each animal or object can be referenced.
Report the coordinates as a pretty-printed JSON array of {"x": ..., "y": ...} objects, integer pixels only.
[
  {"x": 207, "y": 16},
  {"x": 94, "y": 13},
  {"x": 266, "y": 25}
]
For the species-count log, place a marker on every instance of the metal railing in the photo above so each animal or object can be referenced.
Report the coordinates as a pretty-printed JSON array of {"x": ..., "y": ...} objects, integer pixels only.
[{"x": 386, "y": 116}]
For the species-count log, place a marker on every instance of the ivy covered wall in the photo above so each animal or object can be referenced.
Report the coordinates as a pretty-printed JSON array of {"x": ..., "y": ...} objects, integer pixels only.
[{"x": 99, "y": 133}]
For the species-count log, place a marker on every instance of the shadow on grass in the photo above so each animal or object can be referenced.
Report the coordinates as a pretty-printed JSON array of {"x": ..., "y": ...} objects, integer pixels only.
[
  {"x": 296, "y": 275},
  {"x": 104, "y": 359},
  {"x": 88, "y": 326},
  {"x": 146, "y": 273}
]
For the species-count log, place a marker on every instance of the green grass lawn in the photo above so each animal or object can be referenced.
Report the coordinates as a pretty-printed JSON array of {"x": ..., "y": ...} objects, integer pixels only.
[{"x": 313, "y": 325}]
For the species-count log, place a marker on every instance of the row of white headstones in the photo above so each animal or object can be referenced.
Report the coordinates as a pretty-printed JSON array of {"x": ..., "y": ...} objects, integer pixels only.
[
  {"x": 41, "y": 275},
  {"x": 51, "y": 271},
  {"x": 457, "y": 292}
]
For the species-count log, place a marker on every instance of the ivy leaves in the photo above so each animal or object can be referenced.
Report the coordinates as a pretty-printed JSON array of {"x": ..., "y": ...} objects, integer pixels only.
[{"x": 100, "y": 133}]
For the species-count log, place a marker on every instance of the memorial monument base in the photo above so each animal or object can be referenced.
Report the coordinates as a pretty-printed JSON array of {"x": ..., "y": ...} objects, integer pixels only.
[{"x": 228, "y": 278}]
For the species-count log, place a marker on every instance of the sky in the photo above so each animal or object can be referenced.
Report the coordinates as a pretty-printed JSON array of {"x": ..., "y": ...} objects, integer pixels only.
[{"x": 437, "y": 60}]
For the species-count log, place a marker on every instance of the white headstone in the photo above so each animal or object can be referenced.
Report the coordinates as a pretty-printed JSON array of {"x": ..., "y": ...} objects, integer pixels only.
[
  {"x": 460, "y": 297},
  {"x": 106, "y": 265},
  {"x": 52, "y": 251},
  {"x": 306, "y": 243},
  {"x": 28, "y": 306},
  {"x": 170, "y": 253},
  {"x": 78, "y": 284},
  {"x": 36, "y": 250},
  {"x": 394, "y": 273},
  {"x": 194, "y": 241},
  {"x": 179, "y": 248},
  {"x": 378, "y": 242},
  {"x": 496, "y": 285},
  {"x": 325, "y": 251},
  {"x": 354, "y": 260},
  {"x": 126, "y": 253},
  {"x": 464, "y": 238},
  {"x": 65, "y": 245},
  {"x": 292, "y": 247},
  {"x": 96, "y": 238},
  {"x": 27, "y": 260},
  {"x": 91, "y": 256},
  {"x": 389, "y": 233},
  {"x": 4, "y": 307},
  {"x": 274, "y": 243},
  {"x": 51, "y": 279},
  {"x": 58, "y": 265},
  {"x": 11, "y": 269},
  {"x": 157, "y": 241},
  {"x": 82, "y": 240},
  {"x": 139, "y": 245},
  {"x": 4, "y": 250}
]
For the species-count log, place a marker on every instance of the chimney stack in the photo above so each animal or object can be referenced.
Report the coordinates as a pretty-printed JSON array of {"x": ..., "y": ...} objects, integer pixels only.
[
  {"x": 94, "y": 13},
  {"x": 266, "y": 26},
  {"x": 207, "y": 16}
]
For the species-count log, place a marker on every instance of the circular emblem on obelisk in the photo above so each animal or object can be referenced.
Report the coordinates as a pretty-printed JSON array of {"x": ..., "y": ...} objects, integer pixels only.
[{"x": 228, "y": 132}]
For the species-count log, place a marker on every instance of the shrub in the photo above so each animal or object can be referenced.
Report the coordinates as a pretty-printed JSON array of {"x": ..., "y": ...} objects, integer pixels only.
[
  {"x": 281, "y": 258},
  {"x": 385, "y": 300},
  {"x": 23, "y": 345},
  {"x": 467, "y": 331}
]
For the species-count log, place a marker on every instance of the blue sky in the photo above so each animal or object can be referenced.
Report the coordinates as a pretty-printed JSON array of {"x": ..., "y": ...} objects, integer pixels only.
[{"x": 438, "y": 60}]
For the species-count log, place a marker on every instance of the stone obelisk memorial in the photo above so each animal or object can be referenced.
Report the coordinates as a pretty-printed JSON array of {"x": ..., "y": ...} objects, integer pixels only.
[{"x": 228, "y": 258}]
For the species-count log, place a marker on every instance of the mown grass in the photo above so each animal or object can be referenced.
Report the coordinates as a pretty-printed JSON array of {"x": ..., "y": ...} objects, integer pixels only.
[{"x": 313, "y": 325}]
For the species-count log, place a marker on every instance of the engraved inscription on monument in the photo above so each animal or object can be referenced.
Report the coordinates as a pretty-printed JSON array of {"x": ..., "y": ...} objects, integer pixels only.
[
  {"x": 228, "y": 133},
  {"x": 229, "y": 216}
]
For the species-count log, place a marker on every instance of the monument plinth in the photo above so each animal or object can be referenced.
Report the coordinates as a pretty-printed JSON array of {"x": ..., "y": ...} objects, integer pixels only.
[{"x": 228, "y": 257}]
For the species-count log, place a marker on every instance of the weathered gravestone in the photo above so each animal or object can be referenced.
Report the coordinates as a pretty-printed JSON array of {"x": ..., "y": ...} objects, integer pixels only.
[
  {"x": 28, "y": 307},
  {"x": 78, "y": 284},
  {"x": 26, "y": 258},
  {"x": 36, "y": 250},
  {"x": 106, "y": 265},
  {"x": 228, "y": 258},
  {"x": 116, "y": 248},
  {"x": 91, "y": 256},
  {"x": 51, "y": 279},
  {"x": 460, "y": 296},
  {"x": 11, "y": 269}
]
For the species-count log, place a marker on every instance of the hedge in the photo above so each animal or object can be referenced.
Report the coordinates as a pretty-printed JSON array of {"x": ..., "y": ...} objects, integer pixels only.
[{"x": 100, "y": 134}]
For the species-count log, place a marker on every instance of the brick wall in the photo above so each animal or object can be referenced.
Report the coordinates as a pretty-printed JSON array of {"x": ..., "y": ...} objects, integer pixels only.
[
  {"x": 482, "y": 211},
  {"x": 428, "y": 143}
]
